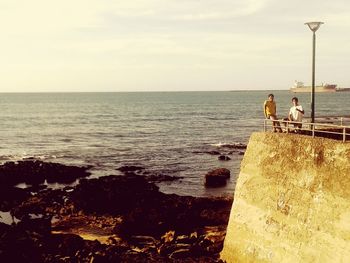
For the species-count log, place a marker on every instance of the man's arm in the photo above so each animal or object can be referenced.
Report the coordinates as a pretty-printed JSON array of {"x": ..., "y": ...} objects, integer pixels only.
[
  {"x": 265, "y": 110},
  {"x": 301, "y": 111}
]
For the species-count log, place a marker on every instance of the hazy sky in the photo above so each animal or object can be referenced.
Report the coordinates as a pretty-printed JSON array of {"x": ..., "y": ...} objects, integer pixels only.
[{"x": 133, "y": 45}]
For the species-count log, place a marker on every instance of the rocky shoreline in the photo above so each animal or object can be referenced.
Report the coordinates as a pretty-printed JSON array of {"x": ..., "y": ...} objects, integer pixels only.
[{"x": 109, "y": 219}]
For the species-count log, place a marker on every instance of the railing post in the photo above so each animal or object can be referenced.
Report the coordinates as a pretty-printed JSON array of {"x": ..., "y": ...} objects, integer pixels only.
[
  {"x": 313, "y": 130},
  {"x": 344, "y": 134}
]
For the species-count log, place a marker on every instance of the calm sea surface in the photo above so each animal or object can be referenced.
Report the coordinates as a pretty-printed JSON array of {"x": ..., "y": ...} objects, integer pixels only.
[{"x": 167, "y": 133}]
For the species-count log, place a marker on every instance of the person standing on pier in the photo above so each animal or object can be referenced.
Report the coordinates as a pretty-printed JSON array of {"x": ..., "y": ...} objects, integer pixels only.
[
  {"x": 270, "y": 112},
  {"x": 296, "y": 113}
]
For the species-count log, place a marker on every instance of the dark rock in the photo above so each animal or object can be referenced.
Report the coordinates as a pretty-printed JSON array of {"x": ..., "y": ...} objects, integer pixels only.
[
  {"x": 157, "y": 178},
  {"x": 180, "y": 253},
  {"x": 42, "y": 203},
  {"x": 3, "y": 228},
  {"x": 145, "y": 210},
  {"x": 217, "y": 177},
  {"x": 37, "y": 225},
  {"x": 234, "y": 146},
  {"x": 224, "y": 158},
  {"x": 213, "y": 239},
  {"x": 36, "y": 172},
  {"x": 17, "y": 245},
  {"x": 112, "y": 194},
  {"x": 11, "y": 196},
  {"x": 166, "y": 249},
  {"x": 213, "y": 152},
  {"x": 142, "y": 241},
  {"x": 183, "y": 214},
  {"x": 130, "y": 208},
  {"x": 184, "y": 239},
  {"x": 65, "y": 244}
]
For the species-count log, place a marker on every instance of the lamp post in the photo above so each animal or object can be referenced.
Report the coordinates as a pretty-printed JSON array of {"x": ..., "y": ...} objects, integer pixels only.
[{"x": 314, "y": 26}]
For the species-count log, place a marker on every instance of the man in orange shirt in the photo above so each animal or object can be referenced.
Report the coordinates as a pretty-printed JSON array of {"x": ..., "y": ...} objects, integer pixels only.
[{"x": 270, "y": 112}]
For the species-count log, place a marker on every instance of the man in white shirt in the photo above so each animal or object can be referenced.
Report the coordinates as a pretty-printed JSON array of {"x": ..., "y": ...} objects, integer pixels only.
[{"x": 296, "y": 113}]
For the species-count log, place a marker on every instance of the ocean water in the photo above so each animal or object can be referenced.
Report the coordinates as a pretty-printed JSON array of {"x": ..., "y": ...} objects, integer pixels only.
[{"x": 168, "y": 133}]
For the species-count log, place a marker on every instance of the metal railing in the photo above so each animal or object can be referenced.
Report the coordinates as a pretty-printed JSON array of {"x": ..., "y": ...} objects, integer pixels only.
[
  {"x": 339, "y": 132},
  {"x": 340, "y": 120}
]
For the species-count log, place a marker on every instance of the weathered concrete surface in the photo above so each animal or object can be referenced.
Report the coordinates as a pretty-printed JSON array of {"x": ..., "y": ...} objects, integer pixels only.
[{"x": 292, "y": 201}]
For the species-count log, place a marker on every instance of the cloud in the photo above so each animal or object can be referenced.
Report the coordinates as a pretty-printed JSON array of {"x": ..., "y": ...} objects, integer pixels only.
[
  {"x": 187, "y": 10},
  {"x": 37, "y": 16},
  {"x": 44, "y": 40}
]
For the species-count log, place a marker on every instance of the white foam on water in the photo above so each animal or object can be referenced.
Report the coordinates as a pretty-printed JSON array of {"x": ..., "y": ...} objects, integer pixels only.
[
  {"x": 225, "y": 144},
  {"x": 25, "y": 157},
  {"x": 220, "y": 144},
  {"x": 22, "y": 185}
]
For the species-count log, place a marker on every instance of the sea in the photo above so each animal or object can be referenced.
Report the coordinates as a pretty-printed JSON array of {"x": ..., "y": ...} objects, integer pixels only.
[{"x": 167, "y": 133}]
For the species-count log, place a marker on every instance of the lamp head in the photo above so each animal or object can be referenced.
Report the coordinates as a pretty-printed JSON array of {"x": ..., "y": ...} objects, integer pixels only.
[{"x": 314, "y": 25}]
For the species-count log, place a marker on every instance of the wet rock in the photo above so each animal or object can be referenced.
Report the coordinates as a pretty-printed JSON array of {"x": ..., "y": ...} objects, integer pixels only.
[
  {"x": 66, "y": 244},
  {"x": 183, "y": 215},
  {"x": 213, "y": 239},
  {"x": 224, "y": 158},
  {"x": 167, "y": 249},
  {"x": 129, "y": 169},
  {"x": 217, "y": 177},
  {"x": 239, "y": 152},
  {"x": 113, "y": 194},
  {"x": 17, "y": 245},
  {"x": 46, "y": 202},
  {"x": 11, "y": 197},
  {"x": 234, "y": 146},
  {"x": 130, "y": 208},
  {"x": 36, "y": 172},
  {"x": 3, "y": 228},
  {"x": 184, "y": 239},
  {"x": 37, "y": 225},
  {"x": 142, "y": 241},
  {"x": 180, "y": 253},
  {"x": 213, "y": 152},
  {"x": 157, "y": 178}
]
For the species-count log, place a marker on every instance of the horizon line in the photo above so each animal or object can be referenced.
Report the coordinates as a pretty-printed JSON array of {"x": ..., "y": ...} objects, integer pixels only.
[{"x": 140, "y": 91}]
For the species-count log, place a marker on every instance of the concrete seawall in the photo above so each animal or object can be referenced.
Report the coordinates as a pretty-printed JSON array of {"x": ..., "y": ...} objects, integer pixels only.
[{"x": 292, "y": 201}]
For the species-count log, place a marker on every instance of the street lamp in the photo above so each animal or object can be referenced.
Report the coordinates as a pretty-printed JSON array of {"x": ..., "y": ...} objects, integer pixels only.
[{"x": 314, "y": 26}]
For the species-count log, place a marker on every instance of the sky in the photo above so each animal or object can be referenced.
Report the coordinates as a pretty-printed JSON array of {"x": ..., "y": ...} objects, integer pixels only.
[{"x": 170, "y": 45}]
